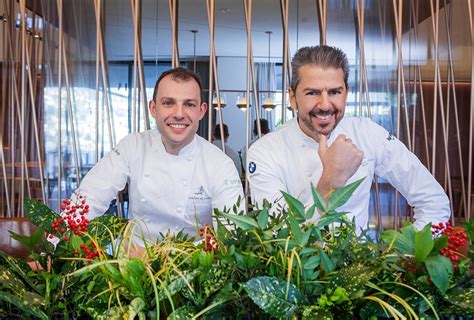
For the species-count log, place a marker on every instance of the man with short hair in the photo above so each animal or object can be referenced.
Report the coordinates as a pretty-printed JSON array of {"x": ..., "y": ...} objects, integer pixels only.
[
  {"x": 323, "y": 147},
  {"x": 175, "y": 178}
]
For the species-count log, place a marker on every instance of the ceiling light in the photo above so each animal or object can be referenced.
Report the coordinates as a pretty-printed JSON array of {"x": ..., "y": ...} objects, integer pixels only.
[
  {"x": 242, "y": 103},
  {"x": 269, "y": 104},
  {"x": 215, "y": 105}
]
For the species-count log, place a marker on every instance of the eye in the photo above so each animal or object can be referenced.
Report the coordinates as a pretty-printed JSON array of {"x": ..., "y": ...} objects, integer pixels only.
[
  {"x": 313, "y": 93},
  {"x": 335, "y": 92},
  {"x": 190, "y": 104},
  {"x": 167, "y": 103}
]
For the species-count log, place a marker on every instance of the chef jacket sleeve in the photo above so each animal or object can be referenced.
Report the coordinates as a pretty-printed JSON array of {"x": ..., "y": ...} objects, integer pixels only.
[
  {"x": 109, "y": 176},
  {"x": 410, "y": 177}
]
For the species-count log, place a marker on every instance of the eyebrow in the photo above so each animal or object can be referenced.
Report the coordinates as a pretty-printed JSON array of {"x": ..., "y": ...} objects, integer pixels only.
[
  {"x": 174, "y": 99},
  {"x": 317, "y": 89}
]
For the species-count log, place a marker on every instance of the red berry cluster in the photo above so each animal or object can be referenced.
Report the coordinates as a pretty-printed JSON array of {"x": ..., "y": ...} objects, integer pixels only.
[
  {"x": 73, "y": 219},
  {"x": 210, "y": 242},
  {"x": 456, "y": 239},
  {"x": 88, "y": 252}
]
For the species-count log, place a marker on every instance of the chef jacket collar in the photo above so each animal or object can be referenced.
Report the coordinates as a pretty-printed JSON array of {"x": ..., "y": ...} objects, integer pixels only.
[{"x": 188, "y": 150}]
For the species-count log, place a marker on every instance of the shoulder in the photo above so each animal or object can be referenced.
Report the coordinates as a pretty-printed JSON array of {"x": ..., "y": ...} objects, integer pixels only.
[
  {"x": 271, "y": 142},
  {"x": 138, "y": 138},
  {"x": 362, "y": 127}
]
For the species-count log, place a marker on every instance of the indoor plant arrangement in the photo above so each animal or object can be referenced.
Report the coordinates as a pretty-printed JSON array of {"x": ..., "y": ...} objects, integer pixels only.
[{"x": 251, "y": 266}]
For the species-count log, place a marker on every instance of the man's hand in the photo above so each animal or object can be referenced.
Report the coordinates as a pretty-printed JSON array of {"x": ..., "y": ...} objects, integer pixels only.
[{"x": 340, "y": 161}]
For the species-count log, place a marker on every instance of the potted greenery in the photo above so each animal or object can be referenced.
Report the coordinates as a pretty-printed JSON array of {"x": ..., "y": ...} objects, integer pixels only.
[{"x": 252, "y": 266}]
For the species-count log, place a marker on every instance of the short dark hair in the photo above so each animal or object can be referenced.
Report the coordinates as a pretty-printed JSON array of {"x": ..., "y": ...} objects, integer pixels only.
[
  {"x": 322, "y": 55},
  {"x": 179, "y": 74},
  {"x": 264, "y": 129},
  {"x": 217, "y": 131}
]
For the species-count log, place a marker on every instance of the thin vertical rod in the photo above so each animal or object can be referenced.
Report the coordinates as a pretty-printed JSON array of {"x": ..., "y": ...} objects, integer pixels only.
[
  {"x": 321, "y": 8},
  {"x": 60, "y": 17},
  {"x": 35, "y": 118},
  {"x": 3, "y": 123},
  {"x": 284, "y": 14},
  {"x": 471, "y": 118},
  {"x": 97, "y": 6},
  {"x": 210, "y": 15},
  {"x": 438, "y": 85},
  {"x": 22, "y": 110},
  {"x": 173, "y": 5},
  {"x": 72, "y": 116},
  {"x": 456, "y": 117},
  {"x": 250, "y": 60},
  {"x": 435, "y": 99},
  {"x": 135, "y": 61}
]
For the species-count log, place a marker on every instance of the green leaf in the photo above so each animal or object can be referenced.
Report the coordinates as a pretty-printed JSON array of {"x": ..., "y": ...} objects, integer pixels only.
[
  {"x": 182, "y": 313},
  {"x": 262, "y": 219},
  {"x": 295, "y": 206},
  {"x": 329, "y": 218},
  {"x": 311, "y": 263},
  {"x": 310, "y": 212},
  {"x": 99, "y": 228},
  {"x": 341, "y": 195},
  {"x": 76, "y": 242},
  {"x": 353, "y": 279},
  {"x": 274, "y": 296},
  {"x": 40, "y": 215},
  {"x": 439, "y": 268},
  {"x": 461, "y": 297},
  {"x": 29, "y": 241},
  {"x": 318, "y": 199},
  {"x": 403, "y": 243},
  {"x": 135, "y": 275},
  {"x": 136, "y": 308},
  {"x": 295, "y": 228},
  {"x": 27, "y": 304},
  {"x": 177, "y": 283},
  {"x": 440, "y": 243},
  {"x": 326, "y": 262},
  {"x": 243, "y": 222},
  {"x": 423, "y": 243}
]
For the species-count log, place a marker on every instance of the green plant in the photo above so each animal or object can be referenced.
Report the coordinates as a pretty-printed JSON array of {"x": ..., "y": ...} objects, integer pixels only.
[{"x": 292, "y": 262}]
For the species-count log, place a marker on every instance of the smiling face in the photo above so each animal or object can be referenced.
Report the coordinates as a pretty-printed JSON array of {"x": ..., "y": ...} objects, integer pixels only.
[
  {"x": 177, "y": 109},
  {"x": 320, "y": 99}
]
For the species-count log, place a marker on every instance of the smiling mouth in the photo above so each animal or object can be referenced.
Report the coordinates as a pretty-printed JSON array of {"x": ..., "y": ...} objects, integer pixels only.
[
  {"x": 178, "y": 125},
  {"x": 321, "y": 115}
]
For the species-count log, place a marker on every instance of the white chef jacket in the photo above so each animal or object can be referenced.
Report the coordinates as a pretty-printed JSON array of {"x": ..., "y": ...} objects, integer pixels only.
[
  {"x": 231, "y": 154},
  {"x": 288, "y": 160},
  {"x": 166, "y": 192}
]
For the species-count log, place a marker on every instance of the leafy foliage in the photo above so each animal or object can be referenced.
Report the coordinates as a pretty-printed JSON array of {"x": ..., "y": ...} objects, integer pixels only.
[{"x": 292, "y": 262}]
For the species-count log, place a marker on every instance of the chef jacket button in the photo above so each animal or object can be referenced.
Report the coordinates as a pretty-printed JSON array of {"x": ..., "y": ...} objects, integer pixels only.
[
  {"x": 308, "y": 173},
  {"x": 190, "y": 158},
  {"x": 185, "y": 183},
  {"x": 143, "y": 200},
  {"x": 179, "y": 209},
  {"x": 147, "y": 174}
]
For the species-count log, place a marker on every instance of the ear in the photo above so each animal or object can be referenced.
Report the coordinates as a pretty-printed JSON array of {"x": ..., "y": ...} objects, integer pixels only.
[
  {"x": 152, "y": 108},
  {"x": 203, "y": 109},
  {"x": 292, "y": 95}
]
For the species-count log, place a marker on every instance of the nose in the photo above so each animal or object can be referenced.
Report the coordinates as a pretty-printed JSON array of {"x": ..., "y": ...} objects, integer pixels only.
[
  {"x": 179, "y": 111},
  {"x": 324, "y": 101}
]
